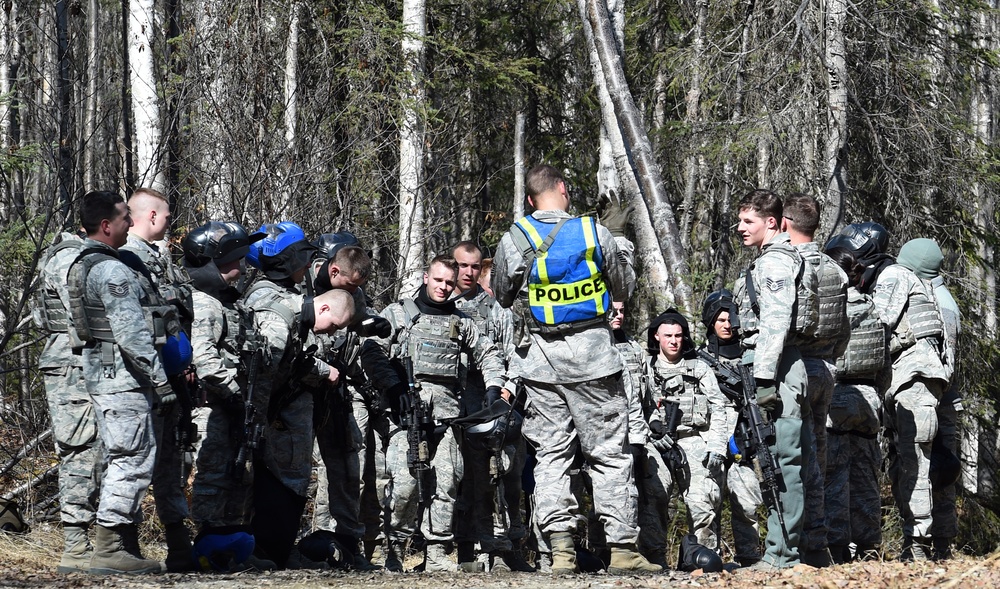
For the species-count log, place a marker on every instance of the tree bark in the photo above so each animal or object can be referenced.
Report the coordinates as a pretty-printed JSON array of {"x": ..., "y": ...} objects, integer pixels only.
[
  {"x": 835, "y": 155},
  {"x": 149, "y": 167},
  {"x": 519, "y": 171},
  {"x": 291, "y": 103},
  {"x": 692, "y": 118},
  {"x": 646, "y": 168},
  {"x": 64, "y": 91},
  {"x": 411, "y": 149}
]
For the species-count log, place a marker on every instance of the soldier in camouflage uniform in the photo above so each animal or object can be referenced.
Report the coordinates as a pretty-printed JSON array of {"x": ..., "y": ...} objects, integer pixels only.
[
  {"x": 436, "y": 338},
  {"x": 477, "y": 517},
  {"x": 741, "y": 487},
  {"x": 124, "y": 375},
  {"x": 344, "y": 417},
  {"x": 213, "y": 255},
  {"x": 74, "y": 425},
  {"x": 151, "y": 220},
  {"x": 564, "y": 353},
  {"x": 854, "y": 458},
  {"x": 286, "y": 377},
  {"x": 819, "y": 348},
  {"x": 950, "y": 408},
  {"x": 679, "y": 376},
  {"x": 767, "y": 294}
]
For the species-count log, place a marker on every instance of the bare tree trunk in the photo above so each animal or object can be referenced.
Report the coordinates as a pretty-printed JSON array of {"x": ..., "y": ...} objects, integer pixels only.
[
  {"x": 291, "y": 104},
  {"x": 411, "y": 149},
  {"x": 983, "y": 107},
  {"x": 91, "y": 99},
  {"x": 6, "y": 108},
  {"x": 692, "y": 117},
  {"x": 145, "y": 107},
  {"x": 519, "y": 172},
  {"x": 647, "y": 169},
  {"x": 648, "y": 252},
  {"x": 67, "y": 135},
  {"x": 835, "y": 155}
]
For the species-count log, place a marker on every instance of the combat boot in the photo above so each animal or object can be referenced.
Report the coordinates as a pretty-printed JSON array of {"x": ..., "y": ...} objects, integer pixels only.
[
  {"x": 436, "y": 561},
  {"x": 626, "y": 560},
  {"x": 77, "y": 551},
  {"x": 544, "y": 563},
  {"x": 563, "y": 554},
  {"x": 513, "y": 560},
  {"x": 942, "y": 548},
  {"x": 915, "y": 549},
  {"x": 393, "y": 556},
  {"x": 819, "y": 559},
  {"x": 840, "y": 553},
  {"x": 111, "y": 558},
  {"x": 179, "y": 556}
]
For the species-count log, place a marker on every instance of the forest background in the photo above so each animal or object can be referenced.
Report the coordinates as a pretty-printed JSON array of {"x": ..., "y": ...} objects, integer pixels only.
[{"x": 411, "y": 122}]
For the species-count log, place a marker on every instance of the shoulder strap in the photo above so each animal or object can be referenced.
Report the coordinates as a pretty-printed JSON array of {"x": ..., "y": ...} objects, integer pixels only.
[
  {"x": 523, "y": 240},
  {"x": 410, "y": 312}
]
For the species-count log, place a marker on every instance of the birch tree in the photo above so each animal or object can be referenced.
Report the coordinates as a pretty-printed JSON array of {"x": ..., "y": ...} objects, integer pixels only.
[
  {"x": 411, "y": 148},
  {"x": 835, "y": 154},
  {"x": 148, "y": 137}
]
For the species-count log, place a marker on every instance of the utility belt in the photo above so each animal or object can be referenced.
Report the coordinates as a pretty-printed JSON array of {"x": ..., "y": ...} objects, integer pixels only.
[
  {"x": 525, "y": 323},
  {"x": 107, "y": 351}
]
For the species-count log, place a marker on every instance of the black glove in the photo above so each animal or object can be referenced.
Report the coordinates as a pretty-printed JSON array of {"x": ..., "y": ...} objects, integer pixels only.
[
  {"x": 656, "y": 430},
  {"x": 613, "y": 214},
  {"x": 394, "y": 400},
  {"x": 493, "y": 394},
  {"x": 767, "y": 394},
  {"x": 165, "y": 398},
  {"x": 373, "y": 326}
]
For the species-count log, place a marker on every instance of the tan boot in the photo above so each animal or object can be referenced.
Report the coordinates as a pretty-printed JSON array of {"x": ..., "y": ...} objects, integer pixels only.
[
  {"x": 563, "y": 554},
  {"x": 436, "y": 561},
  {"x": 77, "y": 551},
  {"x": 111, "y": 557},
  {"x": 626, "y": 560}
]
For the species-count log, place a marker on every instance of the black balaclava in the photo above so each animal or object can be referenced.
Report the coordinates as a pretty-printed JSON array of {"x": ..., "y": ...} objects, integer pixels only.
[
  {"x": 426, "y": 305},
  {"x": 208, "y": 280}
]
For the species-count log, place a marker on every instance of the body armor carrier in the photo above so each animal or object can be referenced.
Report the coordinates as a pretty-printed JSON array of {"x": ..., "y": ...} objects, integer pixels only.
[
  {"x": 171, "y": 282},
  {"x": 481, "y": 314},
  {"x": 432, "y": 343},
  {"x": 683, "y": 387},
  {"x": 923, "y": 314},
  {"x": 248, "y": 338},
  {"x": 866, "y": 350},
  {"x": 804, "y": 311},
  {"x": 831, "y": 297},
  {"x": 50, "y": 313}
]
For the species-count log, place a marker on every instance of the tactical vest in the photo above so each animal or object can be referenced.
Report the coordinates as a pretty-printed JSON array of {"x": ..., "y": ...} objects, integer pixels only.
[
  {"x": 481, "y": 314},
  {"x": 90, "y": 318},
  {"x": 432, "y": 342},
  {"x": 49, "y": 311},
  {"x": 923, "y": 313},
  {"x": 273, "y": 301},
  {"x": 564, "y": 288},
  {"x": 804, "y": 310},
  {"x": 171, "y": 282},
  {"x": 831, "y": 298},
  {"x": 866, "y": 350},
  {"x": 684, "y": 388}
]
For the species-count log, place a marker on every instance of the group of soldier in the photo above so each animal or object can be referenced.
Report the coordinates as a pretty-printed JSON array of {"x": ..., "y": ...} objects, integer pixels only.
[{"x": 481, "y": 414}]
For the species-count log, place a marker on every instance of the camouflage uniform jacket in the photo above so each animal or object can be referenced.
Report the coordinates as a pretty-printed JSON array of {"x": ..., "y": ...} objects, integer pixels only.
[
  {"x": 442, "y": 396},
  {"x": 216, "y": 351},
  {"x": 171, "y": 281},
  {"x": 634, "y": 377},
  {"x": 764, "y": 337},
  {"x": 574, "y": 356},
  {"x": 704, "y": 409},
  {"x": 115, "y": 286},
  {"x": 896, "y": 288},
  {"x": 52, "y": 279}
]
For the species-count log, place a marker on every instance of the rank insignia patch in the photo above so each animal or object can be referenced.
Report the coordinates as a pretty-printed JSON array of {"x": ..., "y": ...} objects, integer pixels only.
[{"x": 118, "y": 290}]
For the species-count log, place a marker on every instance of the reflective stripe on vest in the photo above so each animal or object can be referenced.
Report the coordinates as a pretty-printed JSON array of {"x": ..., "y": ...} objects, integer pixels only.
[{"x": 563, "y": 285}]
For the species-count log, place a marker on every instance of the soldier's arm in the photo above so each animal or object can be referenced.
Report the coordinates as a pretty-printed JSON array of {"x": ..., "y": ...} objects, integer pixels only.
[
  {"x": 508, "y": 271},
  {"x": 206, "y": 337},
  {"x": 618, "y": 271},
  {"x": 377, "y": 367},
  {"x": 120, "y": 292},
  {"x": 720, "y": 408},
  {"x": 890, "y": 297},
  {"x": 483, "y": 352},
  {"x": 276, "y": 339},
  {"x": 504, "y": 325},
  {"x": 775, "y": 284}
]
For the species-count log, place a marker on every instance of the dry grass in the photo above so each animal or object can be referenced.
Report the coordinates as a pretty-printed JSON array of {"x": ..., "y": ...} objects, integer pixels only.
[{"x": 40, "y": 549}]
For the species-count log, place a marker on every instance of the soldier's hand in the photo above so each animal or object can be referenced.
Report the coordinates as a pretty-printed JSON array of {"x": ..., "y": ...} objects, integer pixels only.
[
  {"x": 392, "y": 401},
  {"x": 493, "y": 394},
  {"x": 373, "y": 326},
  {"x": 713, "y": 461},
  {"x": 656, "y": 430},
  {"x": 613, "y": 213},
  {"x": 334, "y": 376},
  {"x": 767, "y": 394},
  {"x": 165, "y": 398},
  {"x": 663, "y": 444}
]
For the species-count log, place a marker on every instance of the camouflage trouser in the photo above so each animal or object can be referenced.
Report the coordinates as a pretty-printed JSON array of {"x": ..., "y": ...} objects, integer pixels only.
[
  {"x": 340, "y": 441},
  {"x": 288, "y": 444},
  {"x": 476, "y": 515},
  {"x": 912, "y": 420},
  {"x": 821, "y": 380},
  {"x": 703, "y": 495},
  {"x": 74, "y": 428},
  {"x": 742, "y": 489},
  {"x": 945, "y": 517},
  {"x": 589, "y": 417},
  {"x": 437, "y": 519},
  {"x": 168, "y": 483},
  {"x": 515, "y": 529},
  {"x": 220, "y": 496},
  {"x": 793, "y": 451},
  {"x": 655, "y": 484},
  {"x": 125, "y": 424},
  {"x": 853, "y": 501}
]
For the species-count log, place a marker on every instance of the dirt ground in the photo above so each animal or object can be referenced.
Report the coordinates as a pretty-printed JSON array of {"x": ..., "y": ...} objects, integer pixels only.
[{"x": 29, "y": 561}]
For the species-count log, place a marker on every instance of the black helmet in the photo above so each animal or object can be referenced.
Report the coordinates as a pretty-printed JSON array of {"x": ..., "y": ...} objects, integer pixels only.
[
  {"x": 694, "y": 556},
  {"x": 866, "y": 239},
  {"x": 492, "y": 428},
  {"x": 715, "y": 303},
  {"x": 222, "y": 241},
  {"x": 328, "y": 244}
]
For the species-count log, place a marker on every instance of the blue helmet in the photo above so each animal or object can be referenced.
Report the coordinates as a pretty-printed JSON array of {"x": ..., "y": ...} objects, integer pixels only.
[{"x": 283, "y": 251}]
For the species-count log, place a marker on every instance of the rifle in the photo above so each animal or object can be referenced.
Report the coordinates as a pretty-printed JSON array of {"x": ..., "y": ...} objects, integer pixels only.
[
  {"x": 253, "y": 432},
  {"x": 674, "y": 457},
  {"x": 496, "y": 464},
  {"x": 185, "y": 430},
  {"x": 418, "y": 425}
]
